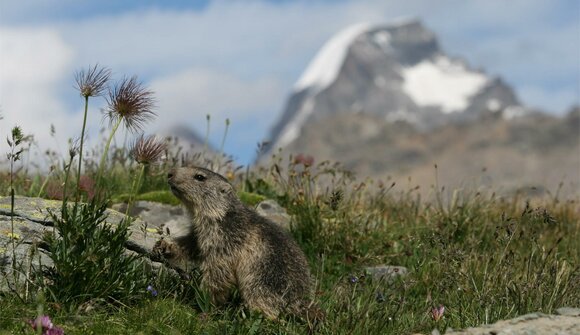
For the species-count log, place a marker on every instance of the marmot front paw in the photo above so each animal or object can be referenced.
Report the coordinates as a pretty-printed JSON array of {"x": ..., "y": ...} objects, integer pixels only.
[{"x": 166, "y": 249}]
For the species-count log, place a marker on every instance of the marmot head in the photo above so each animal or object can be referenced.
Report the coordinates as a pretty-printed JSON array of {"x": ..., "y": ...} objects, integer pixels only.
[{"x": 204, "y": 193}]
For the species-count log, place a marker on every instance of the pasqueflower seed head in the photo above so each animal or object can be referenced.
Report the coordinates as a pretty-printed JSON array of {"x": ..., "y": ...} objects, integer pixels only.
[
  {"x": 93, "y": 81},
  {"x": 130, "y": 101},
  {"x": 147, "y": 150}
]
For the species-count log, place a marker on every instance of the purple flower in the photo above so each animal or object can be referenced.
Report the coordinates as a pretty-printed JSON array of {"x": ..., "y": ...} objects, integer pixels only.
[
  {"x": 46, "y": 325},
  {"x": 152, "y": 290},
  {"x": 437, "y": 312}
]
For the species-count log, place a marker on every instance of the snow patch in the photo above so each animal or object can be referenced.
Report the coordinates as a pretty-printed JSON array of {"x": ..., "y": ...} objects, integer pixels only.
[
  {"x": 324, "y": 68},
  {"x": 493, "y": 105},
  {"x": 442, "y": 82},
  {"x": 292, "y": 130}
]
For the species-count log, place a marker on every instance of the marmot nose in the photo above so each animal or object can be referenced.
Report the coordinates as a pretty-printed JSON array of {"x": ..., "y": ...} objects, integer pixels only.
[{"x": 170, "y": 174}]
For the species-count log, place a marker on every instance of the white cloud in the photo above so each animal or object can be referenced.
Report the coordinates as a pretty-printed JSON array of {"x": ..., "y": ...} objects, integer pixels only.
[
  {"x": 32, "y": 65},
  {"x": 188, "y": 96}
]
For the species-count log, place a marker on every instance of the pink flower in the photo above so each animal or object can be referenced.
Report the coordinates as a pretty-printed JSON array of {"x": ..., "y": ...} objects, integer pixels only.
[
  {"x": 304, "y": 160},
  {"x": 437, "y": 312},
  {"x": 46, "y": 325}
]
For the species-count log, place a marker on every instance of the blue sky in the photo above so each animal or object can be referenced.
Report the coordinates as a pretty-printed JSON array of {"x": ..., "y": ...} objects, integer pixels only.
[{"x": 240, "y": 59}]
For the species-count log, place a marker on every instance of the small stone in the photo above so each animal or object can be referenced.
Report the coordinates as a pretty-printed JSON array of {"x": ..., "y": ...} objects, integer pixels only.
[
  {"x": 568, "y": 311},
  {"x": 386, "y": 272},
  {"x": 271, "y": 210}
]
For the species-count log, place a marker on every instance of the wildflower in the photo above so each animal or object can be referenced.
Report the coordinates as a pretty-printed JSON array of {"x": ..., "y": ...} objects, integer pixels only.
[
  {"x": 87, "y": 185},
  {"x": 230, "y": 175},
  {"x": 353, "y": 279},
  {"x": 92, "y": 82},
  {"x": 152, "y": 290},
  {"x": 147, "y": 150},
  {"x": 131, "y": 102},
  {"x": 304, "y": 160},
  {"x": 437, "y": 312},
  {"x": 46, "y": 325}
]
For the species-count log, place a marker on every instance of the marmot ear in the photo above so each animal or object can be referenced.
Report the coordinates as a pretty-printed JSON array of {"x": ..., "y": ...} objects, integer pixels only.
[{"x": 224, "y": 189}]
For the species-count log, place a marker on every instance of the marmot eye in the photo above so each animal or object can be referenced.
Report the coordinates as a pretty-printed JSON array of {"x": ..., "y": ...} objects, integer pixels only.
[{"x": 199, "y": 177}]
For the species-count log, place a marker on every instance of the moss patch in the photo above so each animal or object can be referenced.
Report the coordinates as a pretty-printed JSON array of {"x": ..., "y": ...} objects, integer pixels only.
[{"x": 251, "y": 199}]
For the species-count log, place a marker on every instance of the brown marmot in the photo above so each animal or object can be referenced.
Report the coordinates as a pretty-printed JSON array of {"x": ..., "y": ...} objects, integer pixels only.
[{"x": 236, "y": 247}]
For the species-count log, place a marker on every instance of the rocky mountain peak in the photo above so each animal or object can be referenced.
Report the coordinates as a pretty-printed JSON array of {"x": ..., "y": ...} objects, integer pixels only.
[{"x": 394, "y": 72}]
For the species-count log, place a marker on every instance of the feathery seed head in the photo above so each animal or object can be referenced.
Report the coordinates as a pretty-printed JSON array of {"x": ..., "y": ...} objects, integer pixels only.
[
  {"x": 132, "y": 102},
  {"x": 147, "y": 150},
  {"x": 93, "y": 81}
]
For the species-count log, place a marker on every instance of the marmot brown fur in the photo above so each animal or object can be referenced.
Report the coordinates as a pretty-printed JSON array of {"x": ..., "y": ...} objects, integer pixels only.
[{"x": 236, "y": 247}]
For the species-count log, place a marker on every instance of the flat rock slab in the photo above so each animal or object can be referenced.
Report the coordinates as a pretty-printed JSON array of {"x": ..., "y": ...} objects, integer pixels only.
[
  {"x": 20, "y": 235},
  {"x": 565, "y": 322}
]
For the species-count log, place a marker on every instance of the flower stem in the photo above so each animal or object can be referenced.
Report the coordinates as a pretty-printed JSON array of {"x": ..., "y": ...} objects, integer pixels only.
[
  {"x": 12, "y": 196},
  {"x": 81, "y": 148},
  {"x": 106, "y": 152},
  {"x": 66, "y": 176},
  {"x": 224, "y": 138},
  {"x": 207, "y": 117},
  {"x": 135, "y": 188}
]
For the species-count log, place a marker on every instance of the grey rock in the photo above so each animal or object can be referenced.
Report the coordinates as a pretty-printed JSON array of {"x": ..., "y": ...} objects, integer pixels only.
[
  {"x": 530, "y": 324},
  {"x": 567, "y": 311},
  {"x": 273, "y": 211},
  {"x": 156, "y": 215},
  {"x": 386, "y": 272},
  {"x": 174, "y": 221},
  {"x": 20, "y": 243}
]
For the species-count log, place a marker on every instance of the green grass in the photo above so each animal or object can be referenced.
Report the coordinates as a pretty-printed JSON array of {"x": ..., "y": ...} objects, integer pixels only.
[{"x": 483, "y": 258}]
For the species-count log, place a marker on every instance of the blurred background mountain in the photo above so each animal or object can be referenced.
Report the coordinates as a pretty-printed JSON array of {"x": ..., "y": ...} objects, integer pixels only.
[{"x": 386, "y": 101}]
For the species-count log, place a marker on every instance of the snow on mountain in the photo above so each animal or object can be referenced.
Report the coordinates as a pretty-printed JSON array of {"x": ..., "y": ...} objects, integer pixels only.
[
  {"x": 324, "y": 69},
  {"x": 292, "y": 130},
  {"x": 442, "y": 82}
]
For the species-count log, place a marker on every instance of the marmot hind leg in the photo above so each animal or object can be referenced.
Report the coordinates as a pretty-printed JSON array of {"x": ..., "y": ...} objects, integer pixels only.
[
  {"x": 267, "y": 306},
  {"x": 218, "y": 283}
]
